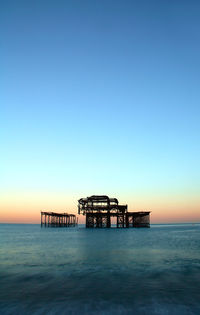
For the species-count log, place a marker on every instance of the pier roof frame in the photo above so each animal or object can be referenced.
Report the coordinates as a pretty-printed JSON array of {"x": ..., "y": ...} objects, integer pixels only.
[{"x": 100, "y": 203}]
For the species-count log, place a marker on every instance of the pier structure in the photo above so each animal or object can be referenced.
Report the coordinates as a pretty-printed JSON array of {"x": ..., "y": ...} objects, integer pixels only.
[
  {"x": 53, "y": 219},
  {"x": 100, "y": 209},
  {"x": 138, "y": 219}
]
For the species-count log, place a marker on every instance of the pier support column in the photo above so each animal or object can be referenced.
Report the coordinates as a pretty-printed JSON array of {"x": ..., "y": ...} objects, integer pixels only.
[
  {"x": 108, "y": 221},
  {"x": 89, "y": 220},
  {"x": 120, "y": 221},
  {"x": 99, "y": 221}
]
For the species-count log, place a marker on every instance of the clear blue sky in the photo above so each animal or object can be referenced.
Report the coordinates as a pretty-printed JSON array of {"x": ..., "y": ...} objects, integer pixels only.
[{"x": 100, "y": 97}]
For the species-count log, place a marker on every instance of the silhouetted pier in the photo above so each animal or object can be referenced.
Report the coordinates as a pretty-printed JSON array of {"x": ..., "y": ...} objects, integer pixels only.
[
  {"x": 53, "y": 219},
  {"x": 100, "y": 209}
]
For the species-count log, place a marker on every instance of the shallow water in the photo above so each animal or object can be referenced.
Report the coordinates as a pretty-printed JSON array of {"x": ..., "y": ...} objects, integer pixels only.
[{"x": 94, "y": 271}]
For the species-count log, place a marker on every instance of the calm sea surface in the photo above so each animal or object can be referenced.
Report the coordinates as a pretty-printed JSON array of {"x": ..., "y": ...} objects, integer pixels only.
[{"x": 94, "y": 271}]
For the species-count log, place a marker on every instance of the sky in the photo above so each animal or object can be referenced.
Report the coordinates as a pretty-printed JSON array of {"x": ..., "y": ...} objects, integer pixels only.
[{"x": 100, "y": 97}]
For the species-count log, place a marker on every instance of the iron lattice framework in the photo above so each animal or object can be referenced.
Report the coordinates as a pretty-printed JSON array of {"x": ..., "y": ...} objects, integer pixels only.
[
  {"x": 96, "y": 204},
  {"x": 138, "y": 219},
  {"x": 100, "y": 209},
  {"x": 53, "y": 219}
]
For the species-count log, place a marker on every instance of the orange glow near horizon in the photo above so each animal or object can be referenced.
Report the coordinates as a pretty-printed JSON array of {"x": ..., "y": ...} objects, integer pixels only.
[{"x": 26, "y": 208}]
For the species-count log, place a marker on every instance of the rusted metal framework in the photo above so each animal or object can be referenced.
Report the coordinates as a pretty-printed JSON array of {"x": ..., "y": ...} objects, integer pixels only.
[
  {"x": 100, "y": 209},
  {"x": 138, "y": 219},
  {"x": 53, "y": 219}
]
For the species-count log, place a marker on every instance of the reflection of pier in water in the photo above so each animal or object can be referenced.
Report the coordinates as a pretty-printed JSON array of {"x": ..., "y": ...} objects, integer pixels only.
[
  {"x": 100, "y": 209},
  {"x": 53, "y": 219}
]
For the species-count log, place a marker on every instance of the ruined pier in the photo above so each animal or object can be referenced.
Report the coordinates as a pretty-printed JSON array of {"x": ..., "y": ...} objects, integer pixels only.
[
  {"x": 99, "y": 211},
  {"x": 53, "y": 219}
]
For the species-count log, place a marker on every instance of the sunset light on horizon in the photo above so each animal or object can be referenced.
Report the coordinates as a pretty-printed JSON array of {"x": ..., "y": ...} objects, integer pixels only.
[{"x": 26, "y": 208}]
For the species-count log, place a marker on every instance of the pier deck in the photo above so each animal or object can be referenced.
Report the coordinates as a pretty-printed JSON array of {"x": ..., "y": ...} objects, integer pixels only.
[{"x": 53, "y": 219}]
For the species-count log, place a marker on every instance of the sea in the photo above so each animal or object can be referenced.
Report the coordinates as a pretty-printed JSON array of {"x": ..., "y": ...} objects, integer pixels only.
[{"x": 76, "y": 270}]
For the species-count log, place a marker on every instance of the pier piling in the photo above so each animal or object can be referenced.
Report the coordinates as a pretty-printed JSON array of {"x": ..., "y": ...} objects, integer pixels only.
[{"x": 53, "y": 219}]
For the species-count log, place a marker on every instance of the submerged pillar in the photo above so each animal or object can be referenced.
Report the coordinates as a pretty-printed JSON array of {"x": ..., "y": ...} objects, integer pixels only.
[{"x": 108, "y": 221}]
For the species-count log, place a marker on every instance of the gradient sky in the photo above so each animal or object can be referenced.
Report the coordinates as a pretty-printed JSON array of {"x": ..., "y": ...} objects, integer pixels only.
[{"x": 100, "y": 97}]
